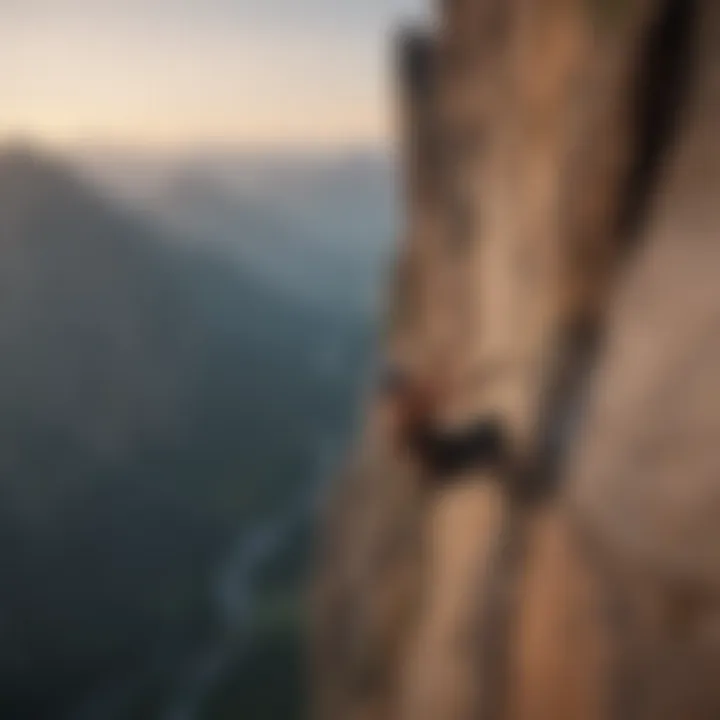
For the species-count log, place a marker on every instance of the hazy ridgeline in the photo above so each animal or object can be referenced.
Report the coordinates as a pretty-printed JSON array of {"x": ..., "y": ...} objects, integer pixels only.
[{"x": 182, "y": 344}]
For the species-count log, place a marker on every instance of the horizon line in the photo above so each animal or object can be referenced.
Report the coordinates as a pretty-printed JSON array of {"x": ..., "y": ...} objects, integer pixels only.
[{"x": 207, "y": 145}]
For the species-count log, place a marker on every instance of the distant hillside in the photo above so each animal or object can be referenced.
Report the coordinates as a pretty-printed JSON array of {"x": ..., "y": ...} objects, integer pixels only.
[
  {"x": 95, "y": 341},
  {"x": 318, "y": 228},
  {"x": 154, "y": 398}
]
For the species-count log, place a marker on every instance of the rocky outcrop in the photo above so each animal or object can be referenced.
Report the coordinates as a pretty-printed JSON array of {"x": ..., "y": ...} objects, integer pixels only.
[{"x": 559, "y": 190}]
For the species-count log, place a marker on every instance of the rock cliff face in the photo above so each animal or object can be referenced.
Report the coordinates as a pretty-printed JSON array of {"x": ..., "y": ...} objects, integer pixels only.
[{"x": 560, "y": 187}]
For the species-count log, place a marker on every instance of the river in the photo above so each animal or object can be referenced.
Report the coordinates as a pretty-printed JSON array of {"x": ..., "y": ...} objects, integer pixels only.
[{"x": 233, "y": 593}]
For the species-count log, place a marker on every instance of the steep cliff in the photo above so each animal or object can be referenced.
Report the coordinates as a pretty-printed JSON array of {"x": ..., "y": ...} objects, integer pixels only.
[{"x": 543, "y": 159}]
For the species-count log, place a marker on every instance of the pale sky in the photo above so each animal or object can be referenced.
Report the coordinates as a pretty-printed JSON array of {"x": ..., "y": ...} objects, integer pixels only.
[{"x": 258, "y": 72}]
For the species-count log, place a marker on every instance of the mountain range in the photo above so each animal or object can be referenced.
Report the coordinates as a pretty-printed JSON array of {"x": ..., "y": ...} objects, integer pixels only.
[{"x": 159, "y": 391}]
